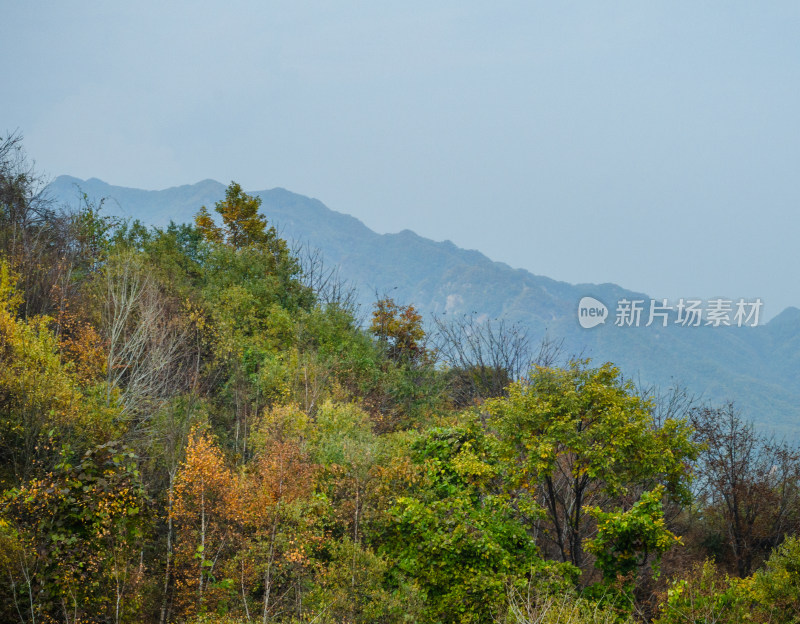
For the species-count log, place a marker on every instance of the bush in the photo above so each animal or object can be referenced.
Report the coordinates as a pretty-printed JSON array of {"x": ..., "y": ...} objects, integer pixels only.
[
  {"x": 776, "y": 587},
  {"x": 538, "y": 606},
  {"x": 705, "y": 596}
]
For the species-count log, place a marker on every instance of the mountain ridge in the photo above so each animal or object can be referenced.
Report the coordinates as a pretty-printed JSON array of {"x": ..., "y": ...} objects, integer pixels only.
[{"x": 757, "y": 367}]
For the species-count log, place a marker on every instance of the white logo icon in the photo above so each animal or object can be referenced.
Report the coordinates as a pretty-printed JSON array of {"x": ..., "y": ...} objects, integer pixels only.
[{"x": 591, "y": 312}]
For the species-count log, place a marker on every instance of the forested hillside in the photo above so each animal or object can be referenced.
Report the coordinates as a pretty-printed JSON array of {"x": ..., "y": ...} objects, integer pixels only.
[
  {"x": 755, "y": 366},
  {"x": 194, "y": 427}
]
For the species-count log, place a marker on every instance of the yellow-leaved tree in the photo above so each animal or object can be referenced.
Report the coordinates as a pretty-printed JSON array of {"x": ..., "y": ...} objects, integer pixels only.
[
  {"x": 203, "y": 498},
  {"x": 40, "y": 399},
  {"x": 242, "y": 225}
]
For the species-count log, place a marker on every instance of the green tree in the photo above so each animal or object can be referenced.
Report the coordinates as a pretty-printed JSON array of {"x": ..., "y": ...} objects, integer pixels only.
[
  {"x": 458, "y": 535},
  {"x": 583, "y": 438}
]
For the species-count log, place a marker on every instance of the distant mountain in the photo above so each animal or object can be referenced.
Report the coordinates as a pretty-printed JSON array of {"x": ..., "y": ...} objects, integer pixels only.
[{"x": 758, "y": 367}]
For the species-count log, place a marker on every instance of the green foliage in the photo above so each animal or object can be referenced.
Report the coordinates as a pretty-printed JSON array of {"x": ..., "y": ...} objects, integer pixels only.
[
  {"x": 242, "y": 286},
  {"x": 776, "y": 587},
  {"x": 176, "y": 255},
  {"x": 625, "y": 538},
  {"x": 457, "y": 536},
  {"x": 93, "y": 233},
  {"x": 705, "y": 596},
  {"x": 350, "y": 587},
  {"x": 580, "y": 436},
  {"x": 342, "y": 436},
  {"x": 593, "y": 414},
  {"x": 341, "y": 349},
  {"x": 248, "y": 279}
]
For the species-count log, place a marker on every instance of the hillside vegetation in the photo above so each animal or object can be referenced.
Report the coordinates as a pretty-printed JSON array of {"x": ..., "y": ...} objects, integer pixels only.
[
  {"x": 757, "y": 367},
  {"x": 195, "y": 427}
]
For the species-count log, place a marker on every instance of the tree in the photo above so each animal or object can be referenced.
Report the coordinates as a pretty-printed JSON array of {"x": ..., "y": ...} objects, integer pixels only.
[
  {"x": 147, "y": 341},
  {"x": 625, "y": 539},
  {"x": 749, "y": 486},
  {"x": 457, "y": 534},
  {"x": 52, "y": 250},
  {"x": 484, "y": 357},
  {"x": 582, "y": 438},
  {"x": 347, "y": 447},
  {"x": 203, "y": 495},
  {"x": 80, "y": 533},
  {"x": 26, "y": 219},
  {"x": 258, "y": 251},
  {"x": 242, "y": 225},
  {"x": 274, "y": 515},
  {"x": 399, "y": 329},
  {"x": 40, "y": 401},
  {"x": 252, "y": 292}
]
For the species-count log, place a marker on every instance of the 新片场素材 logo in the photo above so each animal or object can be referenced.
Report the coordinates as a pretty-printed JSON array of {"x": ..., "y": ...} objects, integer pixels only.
[
  {"x": 660, "y": 312},
  {"x": 591, "y": 312}
]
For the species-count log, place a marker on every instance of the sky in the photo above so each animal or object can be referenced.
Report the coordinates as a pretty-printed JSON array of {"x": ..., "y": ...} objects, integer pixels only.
[{"x": 651, "y": 144}]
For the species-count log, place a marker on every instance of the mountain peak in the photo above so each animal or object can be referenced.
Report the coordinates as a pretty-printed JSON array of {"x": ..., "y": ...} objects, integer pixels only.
[{"x": 789, "y": 316}]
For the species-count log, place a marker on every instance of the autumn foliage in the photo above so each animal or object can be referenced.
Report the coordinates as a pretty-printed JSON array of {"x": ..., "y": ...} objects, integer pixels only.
[{"x": 196, "y": 428}]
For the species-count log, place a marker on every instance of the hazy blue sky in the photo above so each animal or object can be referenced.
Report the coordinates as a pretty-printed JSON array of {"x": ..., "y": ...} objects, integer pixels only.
[{"x": 656, "y": 145}]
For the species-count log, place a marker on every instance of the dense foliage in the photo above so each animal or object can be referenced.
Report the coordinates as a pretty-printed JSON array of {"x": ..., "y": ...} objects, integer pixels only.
[{"x": 191, "y": 430}]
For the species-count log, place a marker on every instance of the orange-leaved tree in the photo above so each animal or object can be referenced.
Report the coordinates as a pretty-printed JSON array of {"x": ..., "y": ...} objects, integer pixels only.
[
  {"x": 204, "y": 499},
  {"x": 275, "y": 511}
]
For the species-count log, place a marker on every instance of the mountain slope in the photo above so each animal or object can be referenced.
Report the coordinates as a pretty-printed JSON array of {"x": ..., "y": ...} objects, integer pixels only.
[{"x": 757, "y": 367}]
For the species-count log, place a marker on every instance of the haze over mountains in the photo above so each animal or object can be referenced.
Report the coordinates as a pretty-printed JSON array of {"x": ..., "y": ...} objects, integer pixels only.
[{"x": 757, "y": 367}]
